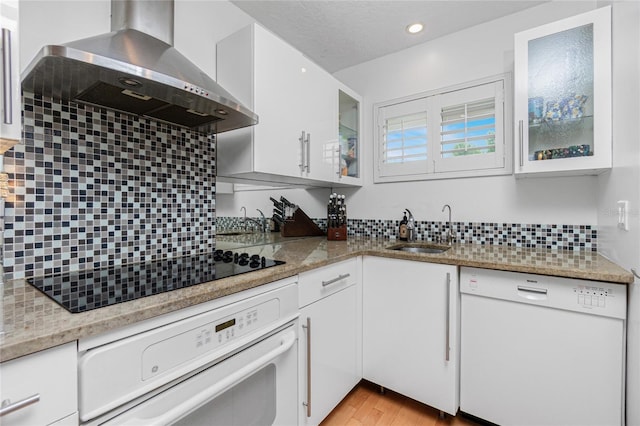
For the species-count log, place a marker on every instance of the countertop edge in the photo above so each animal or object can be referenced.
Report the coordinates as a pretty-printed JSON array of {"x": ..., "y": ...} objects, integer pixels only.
[{"x": 161, "y": 304}]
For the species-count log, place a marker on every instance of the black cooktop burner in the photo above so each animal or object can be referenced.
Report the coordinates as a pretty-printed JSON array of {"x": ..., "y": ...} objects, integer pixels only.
[{"x": 86, "y": 290}]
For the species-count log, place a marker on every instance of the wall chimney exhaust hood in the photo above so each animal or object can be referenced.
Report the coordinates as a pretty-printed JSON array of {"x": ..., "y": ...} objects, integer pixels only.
[{"x": 136, "y": 70}]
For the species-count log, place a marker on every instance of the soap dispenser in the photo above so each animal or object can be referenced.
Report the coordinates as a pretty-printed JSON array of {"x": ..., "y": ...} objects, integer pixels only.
[{"x": 403, "y": 231}]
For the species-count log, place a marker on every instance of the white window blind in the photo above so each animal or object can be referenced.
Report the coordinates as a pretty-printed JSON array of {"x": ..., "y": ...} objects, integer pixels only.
[
  {"x": 468, "y": 129},
  {"x": 452, "y": 132},
  {"x": 403, "y": 147},
  {"x": 470, "y": 122},
  {"x": 405, "y": 138}
]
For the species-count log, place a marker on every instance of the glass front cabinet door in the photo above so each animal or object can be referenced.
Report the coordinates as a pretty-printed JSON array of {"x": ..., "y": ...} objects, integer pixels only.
[
  {"x": 348, "y": 151},
  {"x": 563, "y": 96}
]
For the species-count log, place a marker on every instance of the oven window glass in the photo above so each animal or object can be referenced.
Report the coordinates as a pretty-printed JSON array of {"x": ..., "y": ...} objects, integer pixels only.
[{"x": 251, "y": 402}]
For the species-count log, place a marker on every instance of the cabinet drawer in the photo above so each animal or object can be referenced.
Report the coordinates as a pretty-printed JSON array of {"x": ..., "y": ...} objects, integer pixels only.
[
  {"x": 322, "y": 282},
  {"x": 51, "y": 375}
]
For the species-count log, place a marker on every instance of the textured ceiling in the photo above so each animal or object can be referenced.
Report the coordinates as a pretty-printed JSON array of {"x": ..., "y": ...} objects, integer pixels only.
[{"x": 339, "y": 34}]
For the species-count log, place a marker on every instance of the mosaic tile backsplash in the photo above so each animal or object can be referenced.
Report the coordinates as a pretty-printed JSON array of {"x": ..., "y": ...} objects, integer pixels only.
[
  {"x": 94, "y": 188},
  {"x": 554, "y": 237}
]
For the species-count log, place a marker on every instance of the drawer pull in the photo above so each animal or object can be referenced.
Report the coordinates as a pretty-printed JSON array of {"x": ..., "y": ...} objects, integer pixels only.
[
  {"x": 7, "y": 407},
  {"x": 335, "y": 280}
]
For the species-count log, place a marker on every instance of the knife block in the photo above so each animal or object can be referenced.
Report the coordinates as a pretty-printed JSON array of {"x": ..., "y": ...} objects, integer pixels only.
[
  {"x": 300, "y": 225},
  {"x": 337, "y": 234}
]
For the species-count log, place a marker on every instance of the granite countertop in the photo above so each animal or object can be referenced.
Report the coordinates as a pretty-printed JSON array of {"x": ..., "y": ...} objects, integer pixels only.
[{"x": 32, "y": 322}]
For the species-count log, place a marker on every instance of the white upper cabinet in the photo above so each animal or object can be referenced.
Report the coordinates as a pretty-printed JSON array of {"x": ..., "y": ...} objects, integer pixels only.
[
  {"x": 10, "y": 107},
  {"x": 296, "y": 140},
  {"x": 563, "y": 96}
]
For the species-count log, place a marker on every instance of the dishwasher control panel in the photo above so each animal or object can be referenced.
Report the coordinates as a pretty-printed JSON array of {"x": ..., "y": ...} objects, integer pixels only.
[
  {"x": 591, "y": 295},
  {"x": 572, "y": 294}
]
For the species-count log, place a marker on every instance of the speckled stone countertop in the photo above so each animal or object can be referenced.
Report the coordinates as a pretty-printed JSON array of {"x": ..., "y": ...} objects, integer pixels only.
[{"x": 32, "y": 322}]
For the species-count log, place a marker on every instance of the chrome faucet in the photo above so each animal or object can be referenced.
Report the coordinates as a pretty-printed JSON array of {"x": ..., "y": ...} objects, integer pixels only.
[
  {"x": 411, "y": 227},
  {"x": 449, "y": 236},
  {"x": 263, "y": 221},
  {"x": 262, "y": 224},
  {"x": 244, "y": 219}
]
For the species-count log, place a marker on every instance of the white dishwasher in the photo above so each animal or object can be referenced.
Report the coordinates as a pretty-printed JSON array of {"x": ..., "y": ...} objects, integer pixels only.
[{"x": 540, "y": 350}]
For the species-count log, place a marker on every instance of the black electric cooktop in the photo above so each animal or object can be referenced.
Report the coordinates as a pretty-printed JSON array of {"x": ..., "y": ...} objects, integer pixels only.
[{"x": 86, "y": 290}]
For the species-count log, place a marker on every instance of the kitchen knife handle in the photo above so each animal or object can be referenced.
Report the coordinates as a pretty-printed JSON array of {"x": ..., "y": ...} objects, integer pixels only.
[
  {"x": 287, "y": 203},
  {"x": 6, "y": 73}
]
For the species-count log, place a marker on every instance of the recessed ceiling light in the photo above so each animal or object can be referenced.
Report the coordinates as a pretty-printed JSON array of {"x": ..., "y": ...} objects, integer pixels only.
[{"x": 415, "y": 28}]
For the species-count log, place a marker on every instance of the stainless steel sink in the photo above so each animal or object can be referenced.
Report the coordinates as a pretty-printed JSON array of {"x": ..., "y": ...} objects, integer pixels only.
[
  {"x": 233, "y": 233},
  {"x": 420, "y": 248}
]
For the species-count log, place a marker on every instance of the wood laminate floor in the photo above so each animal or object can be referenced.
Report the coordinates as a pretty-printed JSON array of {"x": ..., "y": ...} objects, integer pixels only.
[{"x": 365, "y": 405}]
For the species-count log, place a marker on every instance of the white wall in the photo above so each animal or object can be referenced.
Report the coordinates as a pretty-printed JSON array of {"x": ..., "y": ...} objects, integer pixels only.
[
  {"x": 467, "y": 55},
  {"x": 623, "y": 182},
  {"x": 312, "y": 201},
  {"x": 198, "y": 26},
  {"x": 56, "y": 22}
]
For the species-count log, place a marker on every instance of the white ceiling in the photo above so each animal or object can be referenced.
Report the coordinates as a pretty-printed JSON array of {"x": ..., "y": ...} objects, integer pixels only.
[{"x": 340, "y": 33}]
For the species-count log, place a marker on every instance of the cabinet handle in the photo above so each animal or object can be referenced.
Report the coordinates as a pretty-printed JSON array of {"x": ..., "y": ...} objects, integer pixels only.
[
  {"x": 308, "y": 142},
  {"x": 302, "y": 140},
  {"x": 447, "y": 325},
  {"x": 308, "y": 403},
  {"x": 335, "y": 280},
  {"x": 339, "y": 150},
  {"x": 7, "y": 407},
  {"x": 6, "y": 72},
  {"x": 521, "y": 136}
]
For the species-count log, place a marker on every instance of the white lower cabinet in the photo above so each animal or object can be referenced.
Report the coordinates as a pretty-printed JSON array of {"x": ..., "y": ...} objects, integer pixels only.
[
  {"x": 411, "y": 329},
  {"x": 329, "y": 338},
  {"x": 42, "y": 388}
]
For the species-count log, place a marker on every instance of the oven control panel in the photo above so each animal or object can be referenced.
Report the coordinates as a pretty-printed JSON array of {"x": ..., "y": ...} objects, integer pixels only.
[{"x": 206, "y": 339}]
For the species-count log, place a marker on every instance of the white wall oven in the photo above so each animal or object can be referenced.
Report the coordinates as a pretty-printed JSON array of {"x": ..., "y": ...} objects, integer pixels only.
[{"x": 232, "y": 361}]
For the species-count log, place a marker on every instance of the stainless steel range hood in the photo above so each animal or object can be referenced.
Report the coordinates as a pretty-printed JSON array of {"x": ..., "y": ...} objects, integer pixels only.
[{"x": 135, "y": 69}]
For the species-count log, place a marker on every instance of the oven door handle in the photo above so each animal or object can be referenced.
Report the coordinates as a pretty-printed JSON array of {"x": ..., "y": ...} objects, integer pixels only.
[{"x": 286, "y": 342}]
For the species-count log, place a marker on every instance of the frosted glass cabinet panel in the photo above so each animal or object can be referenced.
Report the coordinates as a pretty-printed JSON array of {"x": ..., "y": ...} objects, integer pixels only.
[
  {"x": 349, "y": 136},
  {"x": 563, "y": 96}
]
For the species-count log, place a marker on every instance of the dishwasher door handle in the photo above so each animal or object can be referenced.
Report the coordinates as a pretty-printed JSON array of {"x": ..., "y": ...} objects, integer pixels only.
[{"x": 532, "y": 293}]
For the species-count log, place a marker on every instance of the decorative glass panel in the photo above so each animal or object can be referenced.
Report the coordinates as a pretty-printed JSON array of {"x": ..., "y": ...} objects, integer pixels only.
[
  {"x": 349, "y": 131},
  {"x": 561, "y": 95}
]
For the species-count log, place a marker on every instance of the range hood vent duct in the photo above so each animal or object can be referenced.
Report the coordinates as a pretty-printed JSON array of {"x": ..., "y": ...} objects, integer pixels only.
[{"x": 136, "y": 70}]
